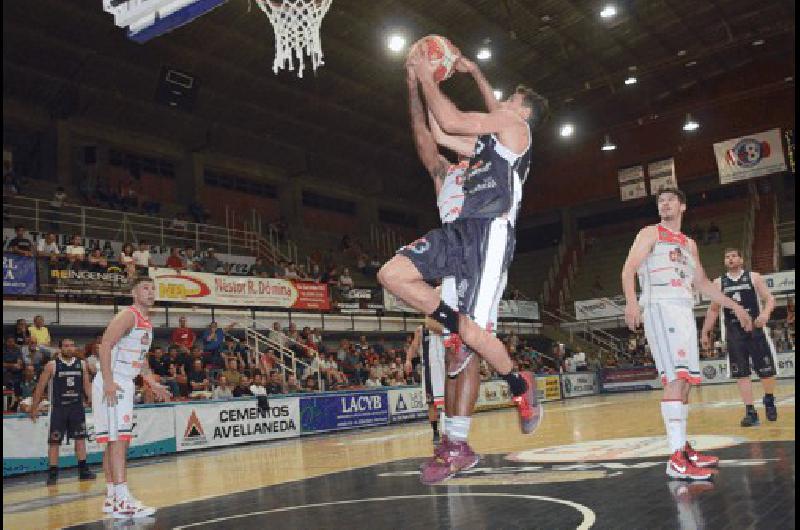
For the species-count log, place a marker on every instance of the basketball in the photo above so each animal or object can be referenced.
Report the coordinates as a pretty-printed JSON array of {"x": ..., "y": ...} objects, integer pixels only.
[{"x": 442, "y": 54}]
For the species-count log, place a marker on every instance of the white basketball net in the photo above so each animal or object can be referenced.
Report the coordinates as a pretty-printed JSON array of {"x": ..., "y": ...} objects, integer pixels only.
[{"x": 296, "y": 24}]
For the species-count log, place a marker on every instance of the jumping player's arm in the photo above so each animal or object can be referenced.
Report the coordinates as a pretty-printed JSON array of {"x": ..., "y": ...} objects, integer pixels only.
[
  {"x": 465, "y": 65},
  {"x": 117, "y": 328},
  {"x": 641, "y": 247},
  {"x": 711, "y": 319},
  {"x": 708, "y": 288},
  {"x": 413, "y": 349},
  {"x": 427, "y": 150},
  {"x": 462, "y": 145},
  {"x": 766, "y": 298},
  {"x": 41, "y": 386}
]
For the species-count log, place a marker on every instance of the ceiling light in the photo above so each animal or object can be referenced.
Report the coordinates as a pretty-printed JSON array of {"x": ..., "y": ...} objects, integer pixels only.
[
  {"x": 484, "y": 54},
  {"x": 758, "y": 42},
  {"x": 690, "y": 124},
  {"x": 567, "y": 130},
  {"x": 608, "y": 11},
  {"x": 396, "y": 42},
  {"x": 681, "y": 53},
  {"x": 630, "y": 80},
  {"x": 608, "y": 145},
  {"x": 498, "y": 94},
  {"x": 691, "y": 63}
]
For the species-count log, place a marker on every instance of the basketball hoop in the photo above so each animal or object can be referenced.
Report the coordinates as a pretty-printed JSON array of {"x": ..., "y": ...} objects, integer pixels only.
[{"x": 296, "y": 24}]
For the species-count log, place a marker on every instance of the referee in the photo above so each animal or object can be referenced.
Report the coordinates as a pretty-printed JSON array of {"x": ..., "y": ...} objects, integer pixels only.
[{"x": 747, "y": 288}]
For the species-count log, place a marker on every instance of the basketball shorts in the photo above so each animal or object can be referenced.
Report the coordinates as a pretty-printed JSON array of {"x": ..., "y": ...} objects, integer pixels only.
[
  {"x": 113, "y": 423},
  {"x": 744, "y": 347},
  {"x": 433, "y": 359},
  {"x": 671, "y": 331},
  {"x": 69, "y": 420},
  {"x": 476, "y": 253}
]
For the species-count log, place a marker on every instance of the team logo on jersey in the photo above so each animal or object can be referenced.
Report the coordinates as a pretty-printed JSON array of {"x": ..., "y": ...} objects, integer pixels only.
[
  {"x": 146, "y": 338},
  {"x": 479, "y": 145},
  {"x": 681, "y": 353},
  {"x": 677, "y": 255},
  {"x": 419, "y": 246}
]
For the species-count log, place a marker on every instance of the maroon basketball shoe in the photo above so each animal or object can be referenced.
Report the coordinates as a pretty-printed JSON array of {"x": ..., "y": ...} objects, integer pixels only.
[
  {"x": 530, "y": 410},
  {"x": 458, "y": 457}
]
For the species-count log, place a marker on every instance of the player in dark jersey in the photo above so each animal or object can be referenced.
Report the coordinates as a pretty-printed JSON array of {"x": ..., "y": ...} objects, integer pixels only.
[
  {"x": 70, "y": 383},
  {"x": 747, "y": 288}
]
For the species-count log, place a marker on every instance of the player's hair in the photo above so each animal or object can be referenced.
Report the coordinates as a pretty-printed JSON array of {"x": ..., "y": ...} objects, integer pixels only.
[
  {"x": 733, "y": 249},
  {"x": 140, "y": 279},
  {"x": 540, "y": 108},
  {"x": 675, "y": 191}
]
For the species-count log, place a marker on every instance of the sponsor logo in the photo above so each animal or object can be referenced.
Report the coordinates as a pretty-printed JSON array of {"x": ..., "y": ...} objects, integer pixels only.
[
  {"x": 194, "y": 434},
  {"x": 747, "y": 153},
  {"x": 401, "y": 404},
  {"x": 180, "y": 286},
  {"x": 709, "y": 372}
]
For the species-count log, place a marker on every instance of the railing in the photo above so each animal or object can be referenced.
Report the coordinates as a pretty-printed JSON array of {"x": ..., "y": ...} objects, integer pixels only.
[
  {"x": 749, "y": 231},
  {"x": 256, "y": 341},
  {"x": 595, "y": 335},
  {"x": 776, "y": 247},
  {"x": 383, "y": 240},
  {"x": 786, "y": 231}
]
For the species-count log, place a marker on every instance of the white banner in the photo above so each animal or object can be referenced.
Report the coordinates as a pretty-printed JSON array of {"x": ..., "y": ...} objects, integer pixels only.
[
  {"x": 407, "y": 404},
  {"x": 580, "y": 384},
  {"x": 25, "y": 442},
  {"x": 662, "y": 175},
  {"x": 631, "y": 183},
  {"x": 715, "y": 371},
  {"x": 750, "y": 156},
  {"x": 215, "y": 424},
  {"x": 780, "y": 282},
  {"x": 392, "y": 303},
  {"x": 518, "y": 309},
  {"x": 600, "y": 308}
]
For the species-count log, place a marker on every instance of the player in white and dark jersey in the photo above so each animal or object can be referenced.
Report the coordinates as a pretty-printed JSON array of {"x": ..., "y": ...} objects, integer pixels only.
[
  {"x": 69, "y": 382},
  {"x": 427, "y": 348},
  {"x": 746, "y": 287},
  {"x": 668, "y": 266},
  {"x": 123, "y": 356}
]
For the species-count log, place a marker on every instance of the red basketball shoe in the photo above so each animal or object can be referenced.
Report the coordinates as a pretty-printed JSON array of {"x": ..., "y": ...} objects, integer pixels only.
[
  {"x": 700, "y": 460},
  {"x": 679, "y": 466}
]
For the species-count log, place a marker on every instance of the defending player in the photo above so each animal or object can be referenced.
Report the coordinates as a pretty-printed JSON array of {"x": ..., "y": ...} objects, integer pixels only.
[
  {"x": 123, "y": 356},
  {"x": 428, "y": 346},
  {"x": 747, "y": 288},
  {"x": 668, "y": 265},
  {"x": 476, "y": 248},
  {"x": 70, "y": 382}
]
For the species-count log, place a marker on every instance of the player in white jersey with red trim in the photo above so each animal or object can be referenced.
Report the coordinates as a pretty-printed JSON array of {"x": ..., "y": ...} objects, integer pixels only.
[
  {"x": 668, "y": 266},
  {"x": 123, "y": 356}
]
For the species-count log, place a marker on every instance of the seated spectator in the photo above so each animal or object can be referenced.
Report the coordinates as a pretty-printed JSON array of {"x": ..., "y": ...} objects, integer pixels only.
[
  {"x": 10, "y": 185},
  {"x": 260, "y": 268},
  {"x": 345, "y": 280},
  {"x": 232, "y": 374},
  {"x": 292, "y": 386},
  {"x": 714, "y": 234},
  {"x": 301, "y": 272},
  {"x": 275, "y": 385},
  {"x": 281, "y": 269},
  {"x": 97, "y": 261},
  {"x": 12, "y": 363},
  {"x": 40, "y": 332},
  {"x": 310, "y": 384},
  {"x": 210, "y": 263},
  {"x": 198, "y": 381},
  {"x": 59, "y": 198},
  {"x": 76, "y": 252},
  {"x": 178, "y": 223},
  {"x": 93, "y": 360},
  {"x": 329, "y": 276},
  {"x": 149, "y": 206},
  {"x": 223, "y": 389},
  {"x": 373, "y": 266},
  {"x": 175, "y": 260},
  {"x": 373, "y": 379},
  {"x": 21, "y": 333},
  {"x": 277, "y": 335},
  {"x": 291, "y": 272},
  {"x": 258, "y": 388},
  {"x": 20, "y": 244},
  {"x": 361, "y": 263},
  {"x": 48, "y": 248},
  {"x": 142, "y": 257},
  {"x": 182, "y": 336},
  {"x": 160, "y": 365},
  {"x": 28, "y": 383},
  {"x": 127, "y": 261},
  {"x": 192, "y": 260},
  {"x": 243, "y": 388},
  {"x": 315, "y": 275},
  {"x": 34, "y": 355}
]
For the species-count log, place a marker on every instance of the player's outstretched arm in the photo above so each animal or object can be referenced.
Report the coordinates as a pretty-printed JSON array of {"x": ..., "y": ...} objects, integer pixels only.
[
  {"x": 765, "y": 295},
  {"x": 641, "y": 247},
  {"x": 462, "y": 145},
  {"x": 711, "y": 318},
  {"x": 465, "y": 65},
  {"x": 426, "y": 146},
  {"x": 705, "y": 286}
]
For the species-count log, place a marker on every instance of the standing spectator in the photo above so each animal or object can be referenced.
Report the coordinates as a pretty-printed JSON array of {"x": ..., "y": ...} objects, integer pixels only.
[
  {"x": 142, "y": 257},
  {"x": 260, "y": 268},
  {"x": 210, "y": 263},
  {"x": 127, "y": 261},
  {"x": 182, "y": 336},
  {"x": 223, "y": 389},
  {"x": 59, "y": 198},
  {"x": 212, "y": 338},
  {"x": 76, "y": 252},
  {"x": 175, "y": 261},
  {"x": 21, "y": 333},
  {"x": 316, "y": 274},
  {"x": 40, "y": 332},
  {"x": 21, "y": 245}
]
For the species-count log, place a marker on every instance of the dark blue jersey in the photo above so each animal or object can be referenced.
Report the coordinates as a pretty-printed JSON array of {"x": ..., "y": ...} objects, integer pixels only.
[{"x": 744, "y": 293}]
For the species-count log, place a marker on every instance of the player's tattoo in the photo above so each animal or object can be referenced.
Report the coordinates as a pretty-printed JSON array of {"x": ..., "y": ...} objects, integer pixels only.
[{"x": 440, "y": 172}]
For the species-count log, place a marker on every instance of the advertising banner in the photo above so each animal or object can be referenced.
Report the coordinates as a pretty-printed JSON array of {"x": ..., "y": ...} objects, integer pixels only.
[
  {"x": 662, "y": 175},
  {"x": 321, "y": 413},
  {"x": 780, "y": 282},
  {"x": 85, "y": 281},
  {"x": 407, "y": 404},
  {"x": 25, "y": 442},
  {"x": 629, "y": 379},
  {"x": 600, "y": 308},
  {"x": 716, "y": 370},
  {"x": 392, "y": 303},
  {"x": 202, "y": 288},
  {"x": 631, "y": 183},
  {"x": 494, "y": 394},
  {"x": 19, "y": 274},
  {"x": 527, "y": 309},
  {"x": 549, "y": 387},
  {"x": 580, "y": 384},
  {"x": 364, "y": 301},
  {"x": 215, "y": 424},
  {"x": 750, "y": 156}
]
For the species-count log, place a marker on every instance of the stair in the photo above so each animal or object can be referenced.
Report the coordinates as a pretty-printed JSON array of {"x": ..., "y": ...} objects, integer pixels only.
[{"x": 764, "y": 258}]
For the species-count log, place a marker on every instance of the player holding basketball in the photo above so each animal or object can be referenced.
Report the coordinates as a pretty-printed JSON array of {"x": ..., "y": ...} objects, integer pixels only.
[
  {"x": 71, "y": 382},
  {"x": 747, "y": 288},
  {"x": 668, "y": 265},
  {"x": 123, "y": 356}
]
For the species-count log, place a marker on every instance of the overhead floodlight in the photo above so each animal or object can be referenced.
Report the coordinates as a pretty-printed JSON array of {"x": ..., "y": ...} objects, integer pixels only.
[
  {"x": 484, "y": 54},
  {"x": 631, "y": 80},
  {"x": 567, "y": 130},
  {"x": 609, "y": 11},
  {"x": 758, "y": 42},
  {"x": 690, "y": 124},
  {"x": 608, "y": 145},
  {"x": 396, "y": 42}
]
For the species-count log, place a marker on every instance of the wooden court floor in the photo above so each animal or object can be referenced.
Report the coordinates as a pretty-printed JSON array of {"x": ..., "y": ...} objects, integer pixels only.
[{"x": 620, "y": 432}]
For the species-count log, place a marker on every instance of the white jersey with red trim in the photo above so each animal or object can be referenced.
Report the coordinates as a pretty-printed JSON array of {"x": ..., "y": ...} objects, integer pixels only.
[
  {"x": 668, "y": 271},
  {"x": 130, "y": 353},
  {"x": 451, "y": 195}
]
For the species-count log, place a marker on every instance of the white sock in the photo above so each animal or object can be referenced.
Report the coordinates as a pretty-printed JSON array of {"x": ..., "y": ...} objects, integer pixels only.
[
  {"x": 121, "y": 491},
  {"x": 685, "y": 420},
  {"x": 672, "y": 412},
  {"x": 109, "y": 489},
  {"x": 459, "y": 428},
  {"x": 444, "y": 424}
]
